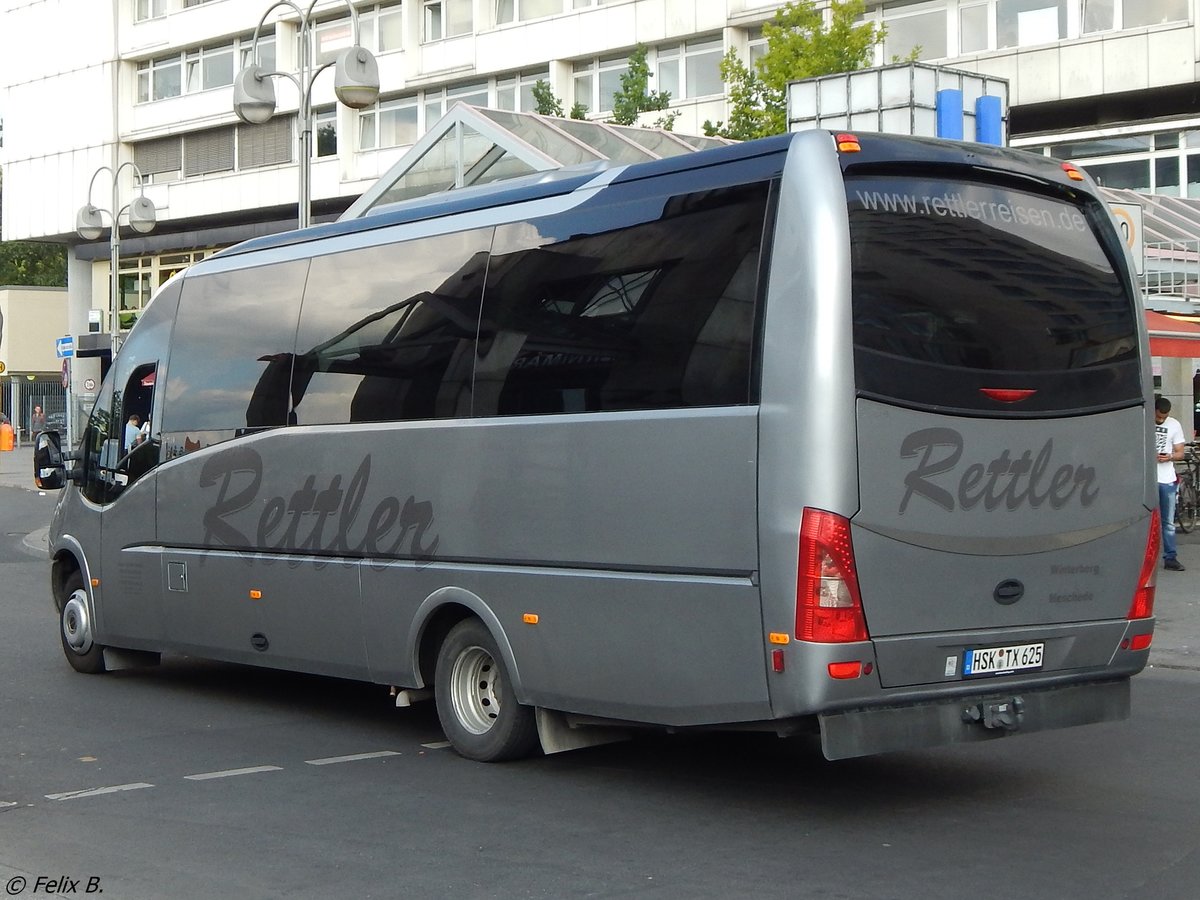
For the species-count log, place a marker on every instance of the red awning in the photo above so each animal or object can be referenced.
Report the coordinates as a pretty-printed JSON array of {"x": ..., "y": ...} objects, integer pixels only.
[{"x": 1172, "y": 337}]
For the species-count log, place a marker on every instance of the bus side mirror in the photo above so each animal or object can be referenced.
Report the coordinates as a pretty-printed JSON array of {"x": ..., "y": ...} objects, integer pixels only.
[{"x": 49, "y": 469}]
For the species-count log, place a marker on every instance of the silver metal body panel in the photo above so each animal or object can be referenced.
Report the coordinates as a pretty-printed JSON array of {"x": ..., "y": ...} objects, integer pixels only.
[{"x": 632, "y": 565}]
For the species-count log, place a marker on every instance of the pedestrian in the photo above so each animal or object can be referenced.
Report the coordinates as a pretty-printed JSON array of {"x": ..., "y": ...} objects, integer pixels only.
[
  {"x": 132, "y": 432},
  {"x": 37, "y": 422},
  {"x": 1168, "y": 447}
]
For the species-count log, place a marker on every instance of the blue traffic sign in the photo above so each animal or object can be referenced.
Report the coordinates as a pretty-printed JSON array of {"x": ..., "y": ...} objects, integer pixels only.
[{"x": 64, "y": 347}]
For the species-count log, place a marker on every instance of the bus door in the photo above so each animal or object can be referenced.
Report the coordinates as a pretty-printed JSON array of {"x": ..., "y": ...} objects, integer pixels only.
[{"x": 124, "y": 452}]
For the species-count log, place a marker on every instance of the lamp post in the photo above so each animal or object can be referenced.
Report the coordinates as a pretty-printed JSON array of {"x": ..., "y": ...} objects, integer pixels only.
[
  {"x": 89, "y": 225},
  {"x": 356, "y": 85}
]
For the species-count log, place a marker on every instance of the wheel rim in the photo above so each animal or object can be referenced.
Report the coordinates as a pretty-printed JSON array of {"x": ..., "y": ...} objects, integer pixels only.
[
  {"x": 76, "y": 627},
  {"x": 475, "y": 690}
]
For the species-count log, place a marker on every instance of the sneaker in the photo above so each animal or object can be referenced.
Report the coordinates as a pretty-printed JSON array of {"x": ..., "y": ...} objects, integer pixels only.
[{"x": 1174, "y": 565}]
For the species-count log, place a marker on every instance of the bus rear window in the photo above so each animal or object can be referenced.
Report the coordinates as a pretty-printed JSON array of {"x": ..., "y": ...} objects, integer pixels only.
[{"x": 964, "y": 290}]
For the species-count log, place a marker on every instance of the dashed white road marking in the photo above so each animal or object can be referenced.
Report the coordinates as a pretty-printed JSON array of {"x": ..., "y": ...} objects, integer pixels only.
[
  {"x": 231, "y": 773},
  {"x": 93, "y": 792},
  {"x": 436, "y": 745},
  {"x": 5, "y": 804},
  {"x": 355, "y": 757}
]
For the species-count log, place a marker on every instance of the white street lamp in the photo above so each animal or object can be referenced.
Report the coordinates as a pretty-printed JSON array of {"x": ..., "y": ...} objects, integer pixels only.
[
  {"x": 89, "y": 225},
  {"x": 356, "y": 84}
]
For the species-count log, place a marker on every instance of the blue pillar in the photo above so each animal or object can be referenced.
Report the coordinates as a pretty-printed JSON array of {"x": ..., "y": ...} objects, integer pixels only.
[
  {"x": 988, "y": 121},
  {"x": 950, "y": 114}
]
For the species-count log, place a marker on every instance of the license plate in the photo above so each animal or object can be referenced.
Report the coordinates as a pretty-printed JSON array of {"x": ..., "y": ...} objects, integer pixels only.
[{"x": 997, "y": 660}]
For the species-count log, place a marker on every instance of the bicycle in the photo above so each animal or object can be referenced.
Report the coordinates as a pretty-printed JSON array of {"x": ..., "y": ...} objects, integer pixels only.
[{"x": 1187, "y": 500}]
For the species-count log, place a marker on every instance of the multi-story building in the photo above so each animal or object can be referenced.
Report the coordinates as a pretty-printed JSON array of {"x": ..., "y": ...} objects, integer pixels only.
[{"x": 1111, "y": 84}]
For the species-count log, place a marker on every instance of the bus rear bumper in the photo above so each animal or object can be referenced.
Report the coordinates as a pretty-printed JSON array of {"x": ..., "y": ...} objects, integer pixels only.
[{"x": 864, "y": 731}]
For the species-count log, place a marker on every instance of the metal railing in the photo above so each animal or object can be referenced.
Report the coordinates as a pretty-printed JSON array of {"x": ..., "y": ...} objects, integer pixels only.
[{"x": 1172, "y": 267}]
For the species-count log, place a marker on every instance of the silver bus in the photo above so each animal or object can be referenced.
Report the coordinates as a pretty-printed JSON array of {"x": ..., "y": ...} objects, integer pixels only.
[{"x": 822, "y": 433}]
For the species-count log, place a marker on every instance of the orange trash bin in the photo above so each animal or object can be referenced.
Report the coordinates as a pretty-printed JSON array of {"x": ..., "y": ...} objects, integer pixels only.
[{"x": 6, "y": 436}]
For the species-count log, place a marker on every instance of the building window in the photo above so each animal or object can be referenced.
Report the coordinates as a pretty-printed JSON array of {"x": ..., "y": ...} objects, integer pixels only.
[
  {"x": 597, "y": 80},
  {"x": 1167, "y": 162},
  {"x": 266, "y": 52},
  {"x": 1023, "y": 23},
  {"x": 268, "y": 144},
  {"x": 210, "y": 151},
  {"x": 158, "y": 79},
  {"x": 756, "y": 46},
  {"x": 691, "y": 69},
  {"x": 226, "y": 149},
  {"x": 380, "y": 29},
  {"x": 445, "y": 18},
  {"x": 148, "y": 9},
  {"x": 392, "y": 123},
  {"x": 209, "y": 67},
  {"x": 515, "y": 92},
  {"x": 138, "y": 277},
  {"x": 524, "y": 10},
  {"x": 159, "y": 160},
  {"x": 438, "y": 102},
  {"x": 325, "y": 132},
  {"x": 919, "y": 26},
  {"x": 198, "y": 69},
  {"x": 973, "y": 24}
]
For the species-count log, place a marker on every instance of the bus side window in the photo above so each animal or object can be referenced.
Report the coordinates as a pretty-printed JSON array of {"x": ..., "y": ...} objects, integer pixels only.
[
  {"x": 139, "y": 451},
  {"x": 229, "y": 371},
  {"x": 396, "y": 341},
  {"x": 651, "y": 307}
]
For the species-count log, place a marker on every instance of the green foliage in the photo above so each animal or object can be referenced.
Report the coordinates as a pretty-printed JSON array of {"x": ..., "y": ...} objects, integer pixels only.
[
  {"x": 544, "y": 100},
  {"x": 29, "y": 263},
  {"x": 634, "y": 96},
  {"x": 546, "y": 104},
  {"x": 799, "y": 45}
]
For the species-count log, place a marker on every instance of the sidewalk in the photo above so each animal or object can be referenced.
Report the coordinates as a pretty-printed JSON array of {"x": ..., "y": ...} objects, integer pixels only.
[
  {"x": 1177, "y": 601},
  {"x": 16, "y": 468}
]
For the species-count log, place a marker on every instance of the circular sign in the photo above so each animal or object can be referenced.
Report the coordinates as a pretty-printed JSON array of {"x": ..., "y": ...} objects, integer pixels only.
[
  {"x": 89, "y": 384},
  {"x": 1, "y": 368}
]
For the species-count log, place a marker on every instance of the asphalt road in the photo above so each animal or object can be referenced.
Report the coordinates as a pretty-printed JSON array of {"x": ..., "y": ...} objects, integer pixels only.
[{"x": 199, "y": 779}]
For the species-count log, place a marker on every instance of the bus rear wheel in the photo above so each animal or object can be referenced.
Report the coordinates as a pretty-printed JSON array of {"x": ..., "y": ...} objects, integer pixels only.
[
  {"x": 75, "y": 630},
  {"x": 475, "y": 702}
]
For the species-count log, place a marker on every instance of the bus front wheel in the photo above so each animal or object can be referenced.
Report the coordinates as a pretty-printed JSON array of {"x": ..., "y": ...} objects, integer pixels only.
[
  {"x": 75, "y": 630},
  {"x": 475, "y": 701}
]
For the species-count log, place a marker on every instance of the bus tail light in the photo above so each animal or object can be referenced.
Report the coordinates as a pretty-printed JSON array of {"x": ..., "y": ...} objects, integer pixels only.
[
  {"x": 848, "y": 143},
  {"x": 828, "y": 604},
  {"x": 1143, "y": 597}
]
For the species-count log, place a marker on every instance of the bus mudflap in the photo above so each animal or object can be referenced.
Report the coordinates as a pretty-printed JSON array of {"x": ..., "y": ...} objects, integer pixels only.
[{"x": 865, "y": 731}]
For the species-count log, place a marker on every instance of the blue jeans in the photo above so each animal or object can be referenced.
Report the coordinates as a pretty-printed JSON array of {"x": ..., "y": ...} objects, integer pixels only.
[{"x": 1166, "y": 508}]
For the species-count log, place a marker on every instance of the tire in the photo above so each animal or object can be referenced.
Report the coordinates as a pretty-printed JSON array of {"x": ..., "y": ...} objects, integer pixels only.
[
  {"x": 475, "y": 702},
  {"x": 75, "y": 629},
  {"x": 1186, "y": 504}
]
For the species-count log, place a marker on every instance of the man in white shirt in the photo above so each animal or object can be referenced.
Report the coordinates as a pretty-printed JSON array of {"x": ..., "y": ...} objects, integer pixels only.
[{"x": 1169, "y": 445}]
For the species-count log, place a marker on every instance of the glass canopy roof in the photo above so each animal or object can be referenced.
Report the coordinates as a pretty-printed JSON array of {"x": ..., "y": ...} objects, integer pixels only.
[{"x": 473, "y": 146}]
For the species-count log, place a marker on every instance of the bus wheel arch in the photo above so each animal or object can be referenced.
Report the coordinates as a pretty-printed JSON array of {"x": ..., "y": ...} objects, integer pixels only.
[
  {"x": 75, "y": 627},
  {"x": 437, "y": 615},
  {"x": 475, "y": 697}
]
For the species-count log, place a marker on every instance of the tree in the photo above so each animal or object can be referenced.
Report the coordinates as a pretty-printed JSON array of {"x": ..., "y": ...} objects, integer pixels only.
[
  {"x": 799, "y": 45},
  {"x": 635, "y": 97},
  {"x": 546, "y": 104},
  {"x": 31, "y": 263}
]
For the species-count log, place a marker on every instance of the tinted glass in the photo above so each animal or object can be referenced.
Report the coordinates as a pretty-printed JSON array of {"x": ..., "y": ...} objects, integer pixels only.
[
  {"x": 387, "y": 333},
  {"x": 231, "y": 357},
  {"x": 963, "y": 286},
  {"x": 638, "y": 305},
  {"x": 129, "y": 389}
]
